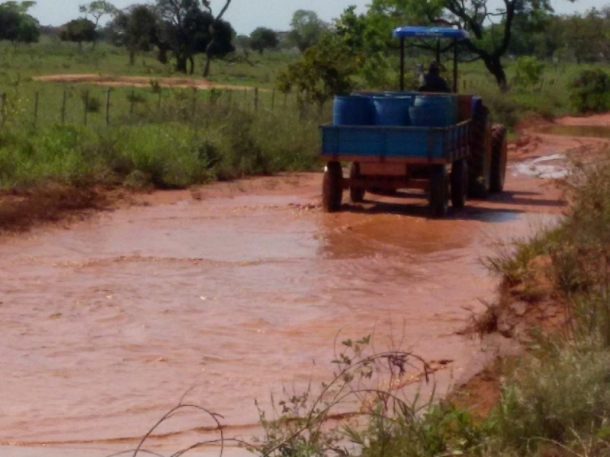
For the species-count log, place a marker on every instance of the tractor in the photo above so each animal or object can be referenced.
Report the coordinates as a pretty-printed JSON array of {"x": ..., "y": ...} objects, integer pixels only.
[{"x": 441, "y": 143}]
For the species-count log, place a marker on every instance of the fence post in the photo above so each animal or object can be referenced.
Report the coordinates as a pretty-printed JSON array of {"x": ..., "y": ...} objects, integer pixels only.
[
  {"x": 255, "y": 99},
  {"x": 36, "y": 100},
  {"x": 63, "y": 107},
  {"x": 107, "y": 107},
  {"x": 132, "y": 100},
  {"x": 3, "y": 107},
  {"x": 86, "y": 100}
]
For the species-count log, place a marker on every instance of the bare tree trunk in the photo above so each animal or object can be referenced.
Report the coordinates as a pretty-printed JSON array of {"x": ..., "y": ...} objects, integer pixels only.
[
  {"x": 192, "y": 62},
  {"x": 208, "y": 62},
  {"x": 494, "y": 65},
  {"x": 181, "y": 64}
]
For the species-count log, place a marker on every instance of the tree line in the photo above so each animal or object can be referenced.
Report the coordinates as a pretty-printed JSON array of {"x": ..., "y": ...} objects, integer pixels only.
[{"x": 179, "y": 30}]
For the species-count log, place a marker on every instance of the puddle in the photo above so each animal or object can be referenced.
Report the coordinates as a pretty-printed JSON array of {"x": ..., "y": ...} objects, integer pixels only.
[
  {"x": 595, "y": 131},
  {"x": 542, "y": 167}
]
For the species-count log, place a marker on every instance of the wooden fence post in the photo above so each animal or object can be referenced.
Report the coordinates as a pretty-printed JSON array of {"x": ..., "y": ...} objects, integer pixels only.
[
  {"x": 107, "y": 107},
  {"x": 36, "y": 101},
  {"x": 86, "y": 100},
  {"x": 255, "y": 99},
  {"x": 3, "y": 107},
  {"x": 132, "y": 100},
  {"x": 63, "y": 107}
]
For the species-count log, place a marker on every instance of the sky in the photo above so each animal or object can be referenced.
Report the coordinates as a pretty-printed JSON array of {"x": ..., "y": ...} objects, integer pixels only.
[{"x": 246, "y": 15}]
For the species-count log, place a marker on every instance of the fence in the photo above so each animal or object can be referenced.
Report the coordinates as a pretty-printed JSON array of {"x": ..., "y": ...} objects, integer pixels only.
[{"x": 83, "y": 105}]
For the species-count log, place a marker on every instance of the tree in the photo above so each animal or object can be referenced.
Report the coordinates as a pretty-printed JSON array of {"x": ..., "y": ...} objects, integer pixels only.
[
  {"x": 263, "y": 38},
  {"x": 220, "y": 43},
  {"x": 136, "y": 29},
  {"x": 79, "y": 31},
  {"x": 97, "y": 9},
  {"x": 306, "y": 28},
  {"x": 323, "y": 71},
  {"x": 16, "y": 25},
  {"x": 184, "y": 30},
  {"x": 487, "y": 43}
]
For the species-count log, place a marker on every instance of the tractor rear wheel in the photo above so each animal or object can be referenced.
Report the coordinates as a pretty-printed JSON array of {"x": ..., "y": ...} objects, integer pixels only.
[
  {"x": 332, "y": 187},
  {"x": 459, "y": 183},
  {"x": 356, "y": 194},
  {"x": 479, "y": 161},
  {"x": 438, "y": 191},
  {"x": 499, "y": 157}
]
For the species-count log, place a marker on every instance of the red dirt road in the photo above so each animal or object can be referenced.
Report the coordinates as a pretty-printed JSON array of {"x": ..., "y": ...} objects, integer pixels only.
[{"x": 241, "y": 289}]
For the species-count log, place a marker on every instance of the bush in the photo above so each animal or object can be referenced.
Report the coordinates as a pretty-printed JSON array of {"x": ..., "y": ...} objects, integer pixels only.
[
  {"x": 590, "y": 92},
  {"x": 528, "y": 71}
]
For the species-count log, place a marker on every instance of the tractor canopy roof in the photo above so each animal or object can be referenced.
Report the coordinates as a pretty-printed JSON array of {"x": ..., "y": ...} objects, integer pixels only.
[{"x": 416, "y": 31}]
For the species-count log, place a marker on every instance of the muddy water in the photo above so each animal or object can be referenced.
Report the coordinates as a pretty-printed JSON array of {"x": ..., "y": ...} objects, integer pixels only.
[{"x": 106, "y": 325}]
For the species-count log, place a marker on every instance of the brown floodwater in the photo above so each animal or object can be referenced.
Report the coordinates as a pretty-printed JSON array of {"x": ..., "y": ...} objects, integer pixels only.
[{"x": 107, "y": 324}]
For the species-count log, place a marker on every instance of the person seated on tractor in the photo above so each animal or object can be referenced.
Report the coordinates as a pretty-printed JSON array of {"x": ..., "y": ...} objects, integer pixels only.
[{"x": 433, "y": 81}]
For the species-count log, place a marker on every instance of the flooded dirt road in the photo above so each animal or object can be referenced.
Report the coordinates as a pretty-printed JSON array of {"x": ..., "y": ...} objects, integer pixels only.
[{"x": 237, "y": 290}]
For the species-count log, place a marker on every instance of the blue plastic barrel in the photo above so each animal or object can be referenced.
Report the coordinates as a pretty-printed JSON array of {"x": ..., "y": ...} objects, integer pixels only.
[
  {"x": 434, "y": 111},
  {"x": 352, "y": 110},
  {"x": 392, "y": 109}
]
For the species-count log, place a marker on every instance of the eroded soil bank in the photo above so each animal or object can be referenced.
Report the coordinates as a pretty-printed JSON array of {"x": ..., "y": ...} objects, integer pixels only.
[{"x": 240, "y": 290}]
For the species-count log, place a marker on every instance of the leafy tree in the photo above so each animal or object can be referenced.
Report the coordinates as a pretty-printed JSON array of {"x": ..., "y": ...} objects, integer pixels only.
[
  {"x": 79, "y": 31},
  {"x": 306, "y": 28},
  {"x": 367, "y": 44},
  {"x": 586, "y": 36},
  {"x": 16, "y": 25},
  {"x": 487, "y": 43},
  {"x": 97, "y": 9},
  {"x": 187, "y": 30},
  {"x": 184, "y": 30},
  {"x": 323, "y": 71},
  {"x": 263, "y": 38},
  {"x": 136, "y": 29}
]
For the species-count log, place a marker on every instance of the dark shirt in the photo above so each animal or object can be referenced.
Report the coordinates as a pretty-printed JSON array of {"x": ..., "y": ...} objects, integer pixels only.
[{"x": 434, "y": 82}]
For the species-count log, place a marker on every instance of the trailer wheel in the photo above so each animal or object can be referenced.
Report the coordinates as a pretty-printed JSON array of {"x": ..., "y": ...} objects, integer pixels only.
[
  {"x": 356, "y": 194},
  {"x": 459, "y": 183},
  {"x": 332, "y": 187},
  {"x": 499, "y": 157},
  {"x": 438, "y": 191},
  {"x": 479, "y": 162}
]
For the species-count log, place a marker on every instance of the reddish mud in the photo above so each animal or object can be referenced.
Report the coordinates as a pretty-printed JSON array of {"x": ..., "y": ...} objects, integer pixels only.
[{"x": 239, "y": 290}]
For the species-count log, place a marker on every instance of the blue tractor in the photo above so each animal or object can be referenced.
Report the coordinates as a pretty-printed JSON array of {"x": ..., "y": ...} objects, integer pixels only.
[{"x": 441, "y": 143}]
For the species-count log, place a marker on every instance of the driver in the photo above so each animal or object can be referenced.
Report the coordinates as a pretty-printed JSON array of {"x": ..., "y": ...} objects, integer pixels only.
[{"x": 433, "y": 81}]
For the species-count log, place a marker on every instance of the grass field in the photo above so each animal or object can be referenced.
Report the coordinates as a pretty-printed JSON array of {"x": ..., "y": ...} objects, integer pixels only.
[{"x": 48, "y": 130}]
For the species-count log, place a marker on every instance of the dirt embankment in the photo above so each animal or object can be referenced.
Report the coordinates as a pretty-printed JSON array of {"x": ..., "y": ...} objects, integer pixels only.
[{"x": 532, "y": 303}]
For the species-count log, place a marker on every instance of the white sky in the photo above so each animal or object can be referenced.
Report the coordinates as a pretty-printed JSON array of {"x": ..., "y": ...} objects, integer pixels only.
[{"x": 246, "y": 15}]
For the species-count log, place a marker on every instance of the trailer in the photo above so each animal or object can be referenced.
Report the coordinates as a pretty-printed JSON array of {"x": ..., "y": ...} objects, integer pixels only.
[{"x": 443, "y": 144}]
